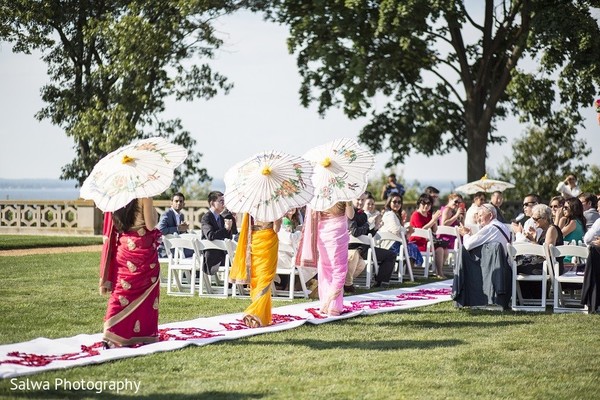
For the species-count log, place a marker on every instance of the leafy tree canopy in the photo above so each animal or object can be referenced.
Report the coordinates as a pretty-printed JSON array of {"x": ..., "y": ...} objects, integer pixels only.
[
  {"x": 112, "y": 64},
  {"x": 436, "y": 76},
  {"x": 544, "y": 157}
]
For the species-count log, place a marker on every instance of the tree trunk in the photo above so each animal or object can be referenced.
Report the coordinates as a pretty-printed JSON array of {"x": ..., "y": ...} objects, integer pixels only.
[{"x": 476, "y": 153}]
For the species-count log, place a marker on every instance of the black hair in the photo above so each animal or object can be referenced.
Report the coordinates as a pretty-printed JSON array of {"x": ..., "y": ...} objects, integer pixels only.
[
  {"x": 213, "y": 196},
  {"x": 124, "y": 218}
]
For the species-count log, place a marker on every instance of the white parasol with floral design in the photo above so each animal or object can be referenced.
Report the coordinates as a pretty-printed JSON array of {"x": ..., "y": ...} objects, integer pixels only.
[
  {"x": 341, "y": 172},
  {"x": 143, "y": 168},
  {"x": 485, "y": 185},
  {"x": 268, "y": 184}
]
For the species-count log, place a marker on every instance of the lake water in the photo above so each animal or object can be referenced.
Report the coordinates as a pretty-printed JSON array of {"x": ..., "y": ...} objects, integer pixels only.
[
  {"x": 38, "y": 189},
  {"x": 56, "y": 189}
]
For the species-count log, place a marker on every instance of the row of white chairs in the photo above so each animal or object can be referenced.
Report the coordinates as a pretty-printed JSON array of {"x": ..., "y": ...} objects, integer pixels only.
[
  {"x": 551, "y": 278},
  {"x": 182, "y": 271}
]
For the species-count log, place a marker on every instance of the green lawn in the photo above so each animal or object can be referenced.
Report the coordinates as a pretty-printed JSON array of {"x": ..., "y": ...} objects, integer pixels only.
[
  {"x": 435, "y": 352},
  {"x": 10, "y": 242}
]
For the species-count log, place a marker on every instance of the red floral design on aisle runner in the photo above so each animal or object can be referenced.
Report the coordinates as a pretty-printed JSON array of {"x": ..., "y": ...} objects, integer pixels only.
[{"x": 170, "y": 334}]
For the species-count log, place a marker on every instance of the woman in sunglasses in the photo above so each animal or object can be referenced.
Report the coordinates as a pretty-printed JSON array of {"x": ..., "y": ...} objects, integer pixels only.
[
  {"x": 424, "y": 218},
  {"x": 541, "y": 215},
  {"x": 572, "y": 221},
  {"x": 453, "y": 214},
  {"x": 556, "y": 205},
  {"x": 393, "y": 220}
]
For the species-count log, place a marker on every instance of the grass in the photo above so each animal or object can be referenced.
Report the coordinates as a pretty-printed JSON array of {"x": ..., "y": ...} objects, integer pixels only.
[
  {"x": 13, "y": 242},
  {"x": 426, "y": 353}
]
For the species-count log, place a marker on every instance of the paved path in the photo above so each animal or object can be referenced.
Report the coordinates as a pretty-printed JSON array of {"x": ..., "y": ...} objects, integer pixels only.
[{"x": 51, "y": 250}]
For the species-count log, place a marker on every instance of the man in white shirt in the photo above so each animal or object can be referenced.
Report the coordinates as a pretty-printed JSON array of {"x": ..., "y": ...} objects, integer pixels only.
[
  {"x": 592, "y": 236},
  {"x": 471, "y": 215},
  {"x": 568, "y": 188},
  {"x": 527, "y": 232},
  {"x": 491, "y": 230}
]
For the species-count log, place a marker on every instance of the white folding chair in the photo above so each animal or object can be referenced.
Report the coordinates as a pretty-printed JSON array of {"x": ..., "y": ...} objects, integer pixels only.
[
  {"x": 561, "y": 304},
  {"x": 215, "y": 285},
  {"x": 371, "y": 267},
  {"x": 429, "y": 253},
  {"x": 385, "y": 240},
  {"x": 286, "y": 265},
  {"x": 178, "y": 264},
  {"x": 454, "y": 252},
  {"x": 518, "y": 302}
]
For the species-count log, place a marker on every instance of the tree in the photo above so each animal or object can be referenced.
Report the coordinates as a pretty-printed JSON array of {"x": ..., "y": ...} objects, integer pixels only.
[
  {"x": 544, "y": 157},
  {"x": 437, "y": 76},
  {"x": 112, "y": 64}
]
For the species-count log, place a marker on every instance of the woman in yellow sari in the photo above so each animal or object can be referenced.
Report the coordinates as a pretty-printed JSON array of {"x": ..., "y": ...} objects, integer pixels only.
[{"x": 255, "y": 262}]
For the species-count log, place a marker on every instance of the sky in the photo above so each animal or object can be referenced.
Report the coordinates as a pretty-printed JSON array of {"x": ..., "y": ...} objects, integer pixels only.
[{"x": 262, "y": 112}]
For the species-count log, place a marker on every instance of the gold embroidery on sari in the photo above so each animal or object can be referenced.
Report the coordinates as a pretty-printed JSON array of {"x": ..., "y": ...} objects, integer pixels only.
[
  {"x": 131, "y": 266},
  {"x": 153, "y": 265},
  {"x": 136, "y": 327},
  {"x": 155, "y": 305},
  {"x": 131, "y": 244},
  {"x": 126, "y": 285},
  {"x": 123, "y": 300},
  {"x": 153, "y": 279}
]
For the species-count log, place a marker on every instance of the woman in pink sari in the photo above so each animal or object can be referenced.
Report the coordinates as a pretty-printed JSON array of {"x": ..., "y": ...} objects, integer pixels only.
[
  {"x": 324, "y": 244},
  {"x": 129, "y": 271}
]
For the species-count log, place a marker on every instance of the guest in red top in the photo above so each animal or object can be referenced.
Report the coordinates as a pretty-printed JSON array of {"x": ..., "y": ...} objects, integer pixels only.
[{"x": 424, "y": 218}]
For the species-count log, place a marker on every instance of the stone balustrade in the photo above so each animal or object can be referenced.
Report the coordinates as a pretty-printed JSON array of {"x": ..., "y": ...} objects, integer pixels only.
[{"x": 73, "y": 217}]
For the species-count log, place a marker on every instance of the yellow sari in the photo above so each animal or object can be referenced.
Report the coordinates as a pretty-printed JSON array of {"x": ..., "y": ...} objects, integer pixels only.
[{"x": 264, "y": 246}]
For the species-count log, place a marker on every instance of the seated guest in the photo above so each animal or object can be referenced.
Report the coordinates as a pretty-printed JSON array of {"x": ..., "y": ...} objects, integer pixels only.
[
  {"x": 572, "y": 222},
  {"x": 172, "y": 222},
  {"x": 393, "y": 220},
  {"x": 491, "y": 229},
  {"x": 424, "y": 218},
  {"x": 556, "y": 205},
  {"x": 483, "y": 275},
  {"x": 590, "y": 204},
  {"x": 292, "y": 220},
  {"x": 215, "y": 227},
  {"x": 471, "y": 215},
  {"x": 373, "y": 214},
  {"x": 452, "y": 215},
  {"x": 592, "y": 236},
  {"x": 358, "y": 226},
  {"x": 541, "y": 214},
  {"x": 496, "y": 200},
  {"x": 519, "y": 229}
]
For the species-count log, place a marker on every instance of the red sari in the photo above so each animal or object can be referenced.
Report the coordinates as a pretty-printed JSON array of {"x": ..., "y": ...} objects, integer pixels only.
[{"x": 129, "y": 265}]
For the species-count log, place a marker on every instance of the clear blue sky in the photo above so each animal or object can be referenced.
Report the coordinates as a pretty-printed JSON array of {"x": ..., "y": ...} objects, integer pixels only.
[{"x": 262, "y": 112}]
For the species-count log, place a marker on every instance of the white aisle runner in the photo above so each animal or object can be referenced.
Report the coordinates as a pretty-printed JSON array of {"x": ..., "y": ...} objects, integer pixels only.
[{"x": 44, "y": 354}]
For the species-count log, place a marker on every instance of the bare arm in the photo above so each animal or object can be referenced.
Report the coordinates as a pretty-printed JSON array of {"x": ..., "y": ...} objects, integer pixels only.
[
  {"x": 568, "y": 228},
  {"x": 277, "y": 225},
  {"x": 551, "y": 236},
  {"x": 149, "y": 213},
  {"x": 349, "y": 210}
]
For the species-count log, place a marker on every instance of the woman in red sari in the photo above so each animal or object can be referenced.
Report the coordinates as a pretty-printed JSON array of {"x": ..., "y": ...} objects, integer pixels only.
[{"x": 130, "y": 273}]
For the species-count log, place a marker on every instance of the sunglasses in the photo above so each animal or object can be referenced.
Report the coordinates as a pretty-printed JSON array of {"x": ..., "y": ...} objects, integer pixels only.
[
  {"x": 555, "y": 206},
  {"x": 536, "y": 219},
  {"x": 529, "y": 204}
]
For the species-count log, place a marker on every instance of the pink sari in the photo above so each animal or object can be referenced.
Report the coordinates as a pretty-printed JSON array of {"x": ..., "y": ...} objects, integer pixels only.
[
  {"x": 130, "y": 266},
  {"x": 325, "y": 242}
]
